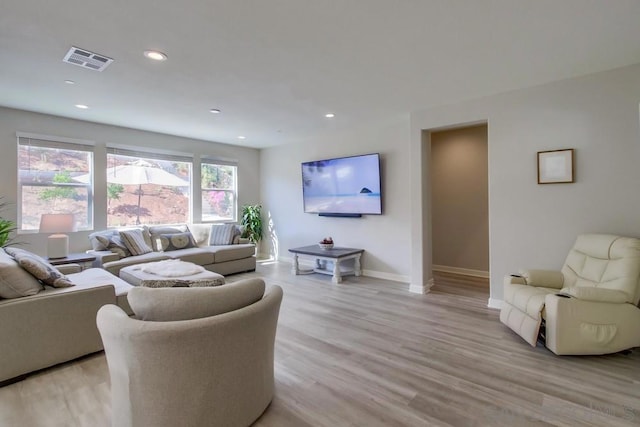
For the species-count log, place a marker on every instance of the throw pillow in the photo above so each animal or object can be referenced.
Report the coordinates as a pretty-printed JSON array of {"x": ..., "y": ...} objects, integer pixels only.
[
  {"x": 97, "y": 238},
  {"x": 134, "y": 241},
  {"x": 170, "y": 304},
  {"x": 175, "y": 241},
  {"x": 15, "y": 282},
  {"x": 39, "y": 268},
  {"x": 239, "y": 231},
  {"x": 222, "y": 234},
  {"x": 114, "y": 244},
  {"x": 156, "y": 231},
  {"x": 201, "y": 233}
]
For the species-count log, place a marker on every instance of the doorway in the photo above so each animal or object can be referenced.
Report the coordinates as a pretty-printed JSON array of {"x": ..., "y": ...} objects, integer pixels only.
[{"x": 459, "y": 176}]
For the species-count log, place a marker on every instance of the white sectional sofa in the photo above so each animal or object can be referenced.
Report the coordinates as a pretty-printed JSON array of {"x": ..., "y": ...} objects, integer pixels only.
[
  {"x": 219, "y": 252},
  {"x": 42, "y": 325}
]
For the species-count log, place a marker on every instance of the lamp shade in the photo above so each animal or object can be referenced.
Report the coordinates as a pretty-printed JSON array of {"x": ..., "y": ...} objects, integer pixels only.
[{"x": 57, "y": 223}]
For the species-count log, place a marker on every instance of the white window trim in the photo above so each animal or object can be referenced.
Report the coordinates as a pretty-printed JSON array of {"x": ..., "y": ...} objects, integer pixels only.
[
  {"x": 56, "y": 142},
  {"x": 221, "y": 162}
]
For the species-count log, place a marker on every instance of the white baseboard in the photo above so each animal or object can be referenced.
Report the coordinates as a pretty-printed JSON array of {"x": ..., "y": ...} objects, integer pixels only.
[
  {"x": 462, "y": 271},
  {"x": 309, "y": 263},
  {"x": 386, "y": 276},
  {"x": 421, "y": 289},
  {"x": 495, "y": 303}
]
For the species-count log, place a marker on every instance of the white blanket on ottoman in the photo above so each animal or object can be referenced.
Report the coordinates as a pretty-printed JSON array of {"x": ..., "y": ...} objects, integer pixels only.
[
  {"x": 170, "y": 273},
  {"x": 172, "y": 268}
]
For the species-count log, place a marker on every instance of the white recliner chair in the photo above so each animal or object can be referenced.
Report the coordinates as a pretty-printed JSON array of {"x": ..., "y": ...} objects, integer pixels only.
[{"x": 589, "y": 307}]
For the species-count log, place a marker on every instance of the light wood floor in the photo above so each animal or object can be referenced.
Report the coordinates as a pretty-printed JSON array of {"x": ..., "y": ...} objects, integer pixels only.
[{"x": 369, "y": 353}]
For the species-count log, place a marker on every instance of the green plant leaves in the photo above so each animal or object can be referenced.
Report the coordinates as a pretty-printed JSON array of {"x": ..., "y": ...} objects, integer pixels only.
[{"x": 252, "y": 222}]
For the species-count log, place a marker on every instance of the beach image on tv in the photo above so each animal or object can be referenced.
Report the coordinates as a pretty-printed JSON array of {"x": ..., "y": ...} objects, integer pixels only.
[{"x": 344, "y": 185}]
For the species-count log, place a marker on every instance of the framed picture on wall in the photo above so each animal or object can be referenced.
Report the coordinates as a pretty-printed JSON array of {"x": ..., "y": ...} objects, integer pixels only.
[{"x": 556, "y": 166}]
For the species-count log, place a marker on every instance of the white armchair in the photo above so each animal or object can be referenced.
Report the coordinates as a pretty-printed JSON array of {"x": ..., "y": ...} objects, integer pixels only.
[
  {"x": 589, "y": 307},
  {"x": 193, "y": 356}
]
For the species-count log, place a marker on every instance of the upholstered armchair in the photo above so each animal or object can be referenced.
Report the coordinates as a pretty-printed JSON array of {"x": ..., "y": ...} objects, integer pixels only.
[
  {"x": 589, "y": 307},
  {"x": 192, "y": 356}
]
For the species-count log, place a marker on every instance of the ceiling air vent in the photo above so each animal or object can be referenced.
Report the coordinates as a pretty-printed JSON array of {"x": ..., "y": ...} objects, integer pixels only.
[{"x": 86, "y": 59}]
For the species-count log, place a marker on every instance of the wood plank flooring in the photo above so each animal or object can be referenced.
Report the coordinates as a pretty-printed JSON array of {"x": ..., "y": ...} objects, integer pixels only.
[{"x": 369, "y": 353}]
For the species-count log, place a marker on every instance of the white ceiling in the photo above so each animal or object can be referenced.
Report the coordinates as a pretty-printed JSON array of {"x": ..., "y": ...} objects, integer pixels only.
[{"x": 275, "y": 67}]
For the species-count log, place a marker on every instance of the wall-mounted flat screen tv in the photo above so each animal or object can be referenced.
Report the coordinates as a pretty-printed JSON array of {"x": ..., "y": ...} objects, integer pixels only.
[{"x": 345, "y": 185}]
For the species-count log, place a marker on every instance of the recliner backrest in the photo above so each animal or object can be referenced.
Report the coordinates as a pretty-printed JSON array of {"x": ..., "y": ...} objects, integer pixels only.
[{"x": 605, "y": 261}]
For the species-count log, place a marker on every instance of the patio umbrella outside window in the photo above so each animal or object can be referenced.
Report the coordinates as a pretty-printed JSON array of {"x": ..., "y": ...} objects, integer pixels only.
[{"x": 139, "y": 173}]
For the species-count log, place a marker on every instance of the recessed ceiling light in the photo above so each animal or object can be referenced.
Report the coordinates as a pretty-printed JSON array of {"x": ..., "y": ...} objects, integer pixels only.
[
  {"x": 70, "y": 82},
  {"x": 215, "y": 111},
  {"x": 82, "y": 106},
  {"x": 329, "y": 115},
  {"x": 155, "y": 55},
  {"x": 242, "y": 137}
]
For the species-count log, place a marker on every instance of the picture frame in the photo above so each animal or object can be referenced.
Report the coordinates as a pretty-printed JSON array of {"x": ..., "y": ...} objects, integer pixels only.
[{"x": 556, "y": 166}]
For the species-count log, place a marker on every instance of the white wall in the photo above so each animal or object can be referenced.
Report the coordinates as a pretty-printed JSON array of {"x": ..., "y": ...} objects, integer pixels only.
[
  {"x": 531, "y": 225},
  {"x": 385, "y": 238},
  {"x": 12, "y": 121}
]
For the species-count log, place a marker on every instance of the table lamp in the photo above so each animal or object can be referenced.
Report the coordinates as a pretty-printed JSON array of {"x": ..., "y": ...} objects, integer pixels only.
[{"x": 57, "y": 243}]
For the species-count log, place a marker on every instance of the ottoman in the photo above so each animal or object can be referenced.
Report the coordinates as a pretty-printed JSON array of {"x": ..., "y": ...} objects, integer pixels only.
[{"x": 170, "y": 273}]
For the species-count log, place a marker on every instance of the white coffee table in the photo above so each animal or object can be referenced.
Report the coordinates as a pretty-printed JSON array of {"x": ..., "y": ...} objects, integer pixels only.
[{"x": 321, "y": 256}]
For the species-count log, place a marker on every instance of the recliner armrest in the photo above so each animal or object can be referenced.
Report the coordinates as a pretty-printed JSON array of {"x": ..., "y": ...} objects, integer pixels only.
[
  {"x": 514, "y": 279},
  {"x": 543, "y": 278},
  {"x": 596, "y": 294}
]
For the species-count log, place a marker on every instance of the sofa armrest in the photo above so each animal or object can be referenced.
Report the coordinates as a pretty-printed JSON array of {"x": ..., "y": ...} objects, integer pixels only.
[
  {"x": 51, "y": 327},
  {"x": 543, "y": 278},
  {"x": 596, "y": 294},
  {"x": 69, "y": 268},
  {"x": 103, "y": 257},
  {"x": 244, "y": 241}
]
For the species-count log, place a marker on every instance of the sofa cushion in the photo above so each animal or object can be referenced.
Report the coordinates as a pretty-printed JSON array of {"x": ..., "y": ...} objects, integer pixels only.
[
  {"x": 15, "y": 282},
  {"x": 39, "y": 268},
  {"x": 200, "y": 256},
  {"x": 232, "y": 252},
  {"x": 114, "y": 267},
  {"x": 134, "y": 241},
  {"x": 93, "y": 277},
  {"x": 172, "y": 304},
  {"x": 114, "y": 244},
  {"x": 156, "y": 231},
  {"x": 222, "y": 234},
  {"x": 175, "y": 241}
]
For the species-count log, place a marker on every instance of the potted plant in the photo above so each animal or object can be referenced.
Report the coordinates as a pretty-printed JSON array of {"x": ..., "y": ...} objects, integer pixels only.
[
  {"x": 252, "y": 222},
  {"x": 6, "y": 226}
]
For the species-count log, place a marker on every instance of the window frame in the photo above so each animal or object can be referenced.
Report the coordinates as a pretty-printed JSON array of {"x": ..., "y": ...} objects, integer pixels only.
[
  {"x": 54, "y": 143},
  {"x": 234, "y": 191}
]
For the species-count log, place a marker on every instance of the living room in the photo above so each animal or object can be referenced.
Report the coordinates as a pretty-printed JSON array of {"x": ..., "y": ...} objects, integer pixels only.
[{"x": 588, "y": 103}]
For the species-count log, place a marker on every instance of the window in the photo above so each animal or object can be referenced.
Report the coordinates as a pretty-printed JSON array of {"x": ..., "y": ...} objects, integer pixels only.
[
  {"x": 219, "y": 198},
  {"x": 147, "y": 188},
  {"x": 54, "y": 177}
]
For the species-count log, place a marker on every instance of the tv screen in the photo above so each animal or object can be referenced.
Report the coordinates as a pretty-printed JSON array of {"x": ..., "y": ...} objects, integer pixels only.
[{"x": 346, "y": 185}]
